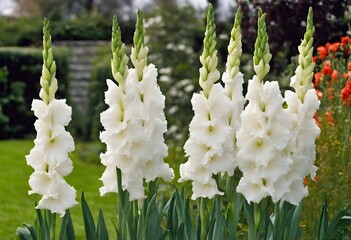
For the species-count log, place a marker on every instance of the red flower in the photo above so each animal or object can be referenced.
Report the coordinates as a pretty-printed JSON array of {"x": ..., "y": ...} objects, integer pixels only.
[
  {"x": 317, "y": 78},
  {"x": 346, "y": 94},
  {"x": 345, "y": 40},
  {"x": 331, "y": 93},
  {"x": 334, "y": 47},
  {"x": 322, "y": 52},
  {"x": 330, "y": 117},
  {"x": 335, "y": 75},
  {"x": 346, "y": 44},
  {"x": 319, "y": 94},
  {"x": 327, "y": 70},
  {"x": 349, "y": 66}
]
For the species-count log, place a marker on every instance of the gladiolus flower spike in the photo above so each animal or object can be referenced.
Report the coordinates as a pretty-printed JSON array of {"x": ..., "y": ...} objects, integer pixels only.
[
  {"x": 49, "y": 157},
  {"x": 210, "y": 145},
  {"x": 302, "y": 106},
  {"x": 134, "y": 122},
  {"x": 263, "y": 133}
]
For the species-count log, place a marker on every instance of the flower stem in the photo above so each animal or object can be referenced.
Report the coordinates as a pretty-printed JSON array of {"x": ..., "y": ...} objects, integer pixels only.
[{"x": 203, "y": 218}]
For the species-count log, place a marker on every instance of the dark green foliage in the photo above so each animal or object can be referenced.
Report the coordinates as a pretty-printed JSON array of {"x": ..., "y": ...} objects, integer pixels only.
[
  {"x": 24, "y": 31},
  {"x": 91, "y": 232},
  {"x": 20, "y": 71},
  {"x": 44, "y": 227},
  {"x": 336, "y": 227},
  {"x": 20, "y": 31}
]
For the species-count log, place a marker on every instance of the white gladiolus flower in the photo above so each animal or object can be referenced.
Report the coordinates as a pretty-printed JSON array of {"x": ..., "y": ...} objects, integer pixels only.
[
  {"x": 210, "y": 134},
  {"x": 211, "y": 147},
  {"x": 49, "y": 158},
  {"x": 262, "y": 139}
]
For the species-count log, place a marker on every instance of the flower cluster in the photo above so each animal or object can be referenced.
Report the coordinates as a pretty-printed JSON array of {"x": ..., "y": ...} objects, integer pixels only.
[
  {"x": 134, "y": 122},
  {"x": 49, "y": 157},
  {"x": 333, "y": 69},
  {"x": 210, "y": 146}
]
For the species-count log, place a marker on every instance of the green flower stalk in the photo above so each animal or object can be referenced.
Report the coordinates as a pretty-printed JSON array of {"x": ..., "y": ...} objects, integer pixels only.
[
  {"x": 48, "y": 82},
  {"x": 262, "y": 55},
  {"x": 119, "y": 59},
  {"x": 302, "y": 81},
  {"x": 235, "y": 46},
  {"x": 139, "y": 51},
  {"x": 208, "y": 72}
]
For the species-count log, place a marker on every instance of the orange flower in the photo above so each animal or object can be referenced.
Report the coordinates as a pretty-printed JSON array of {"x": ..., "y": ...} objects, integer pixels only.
[
  {"x": 334, "y": 47},
  {"x": 334, "y": 75},
  {"x": 327, "y": 70},
  {"x": 322, "y": 52},
  {"x": 331, "y": 93},
  {"x": 347, "y": 75},
  {"x": 305, "y": 181},
  {"x": 349, "y": 66},
  {"x": 317, "y": 78},
  {"x": 319, "y": 94},
  {"x": 330, "y": 117},
  {"x": 346, "y": 94},
  {"x": 316, "y": 119}
]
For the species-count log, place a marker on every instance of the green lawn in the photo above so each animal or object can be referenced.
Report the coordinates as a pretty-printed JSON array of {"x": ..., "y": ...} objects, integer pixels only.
[{"x": 17, "y": 207}]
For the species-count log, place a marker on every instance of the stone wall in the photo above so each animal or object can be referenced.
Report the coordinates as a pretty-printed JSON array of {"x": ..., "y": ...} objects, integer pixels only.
[{"x": 82, "y": 54}]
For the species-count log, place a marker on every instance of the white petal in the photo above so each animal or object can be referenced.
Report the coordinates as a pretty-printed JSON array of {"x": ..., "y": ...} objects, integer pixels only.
[
  {"x": 36, "y": 159},
  {"x": 252, "y": 191},
  {"x": 205, "y": 190},
  {"x": 65, "y": 200},
  {"x": 109, "y": 180}
]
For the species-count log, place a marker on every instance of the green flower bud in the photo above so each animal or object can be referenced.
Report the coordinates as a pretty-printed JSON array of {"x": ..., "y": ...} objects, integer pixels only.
[
  {"x": 139, "y": 51},
  {"x": 48, "y": 81},
  {"x": 208, "y": 72},
  {"x": 262, "y": 56},
  {"x": 119, "y": 59},
  {"x": 302, "y": 81},
  {"x": 235, "y": 46}
]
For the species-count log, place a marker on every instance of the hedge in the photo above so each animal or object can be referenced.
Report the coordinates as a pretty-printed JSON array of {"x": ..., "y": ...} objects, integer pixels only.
[{"x": 20, "y": 70}]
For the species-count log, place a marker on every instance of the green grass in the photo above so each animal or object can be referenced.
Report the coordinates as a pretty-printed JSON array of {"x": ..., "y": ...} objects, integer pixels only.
[{"x": 17, "y": 207}]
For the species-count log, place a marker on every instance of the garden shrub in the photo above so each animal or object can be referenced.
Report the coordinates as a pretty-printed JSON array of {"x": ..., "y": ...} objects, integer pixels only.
[
  {"x": 96, "y": 90},
  {"x": 21, "y": 70},
  {"x": 20, "y": 31},
  {"x": 332, "y": 80}
]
